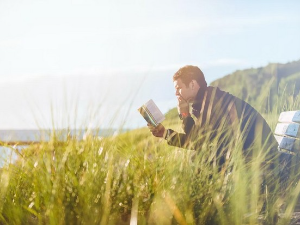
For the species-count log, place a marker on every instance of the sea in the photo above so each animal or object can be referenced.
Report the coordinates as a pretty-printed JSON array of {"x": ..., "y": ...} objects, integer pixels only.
[{"x": 13, "y": 141}]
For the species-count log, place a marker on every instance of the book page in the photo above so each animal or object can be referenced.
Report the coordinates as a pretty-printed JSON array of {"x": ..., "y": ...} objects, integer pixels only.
[
  {"x": 151, "y": 113},
  {"x": 154, "y": 111}
]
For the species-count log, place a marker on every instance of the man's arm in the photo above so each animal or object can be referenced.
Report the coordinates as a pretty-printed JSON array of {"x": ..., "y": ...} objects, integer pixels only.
[
  {"x": 180, "y": 139},
  {"x": 174, "y": 138}
]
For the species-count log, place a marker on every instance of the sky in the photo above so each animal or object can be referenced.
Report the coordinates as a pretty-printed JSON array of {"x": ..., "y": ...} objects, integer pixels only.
[{"x": 93, "y": 63}]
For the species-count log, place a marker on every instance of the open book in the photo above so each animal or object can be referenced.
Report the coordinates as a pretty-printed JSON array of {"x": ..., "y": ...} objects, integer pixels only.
[{"x": 151, "y": 113}]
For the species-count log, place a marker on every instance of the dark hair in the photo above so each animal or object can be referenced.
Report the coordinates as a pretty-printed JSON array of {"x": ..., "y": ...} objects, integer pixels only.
[{"x": 189, "y": 73}]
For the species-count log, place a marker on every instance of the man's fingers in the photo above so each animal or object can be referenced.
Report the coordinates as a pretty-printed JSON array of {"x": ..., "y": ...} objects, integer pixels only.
[
  {"x": 150, "y": 126},
  {"x": 156, "y": 131},
  {"x": 183, "y": 106},
  {"x": 181, "y": 100},
  {"x": 153, "y": 129}
]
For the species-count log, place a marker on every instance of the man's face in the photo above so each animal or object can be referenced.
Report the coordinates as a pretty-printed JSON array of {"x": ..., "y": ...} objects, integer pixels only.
[{"x": 183, "y": 92}]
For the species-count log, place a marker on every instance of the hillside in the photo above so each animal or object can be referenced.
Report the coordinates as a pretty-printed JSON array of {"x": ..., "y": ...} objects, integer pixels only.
[{"x": 264, "y": 87}]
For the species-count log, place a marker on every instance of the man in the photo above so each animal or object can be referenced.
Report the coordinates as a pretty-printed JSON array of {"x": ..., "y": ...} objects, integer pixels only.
[
  {"x": 214, "y": 120},
  {"x": 208, "y": 113}
]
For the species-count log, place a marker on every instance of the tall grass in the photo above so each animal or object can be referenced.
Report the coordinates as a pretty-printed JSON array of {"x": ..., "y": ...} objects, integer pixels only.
[{"x": 134, "y": 178}]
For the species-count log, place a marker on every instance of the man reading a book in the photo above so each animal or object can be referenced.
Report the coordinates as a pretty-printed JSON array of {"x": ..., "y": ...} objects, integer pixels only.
[
  {"x": 217, "y": 123},
  {"x": 208, "y": 113}
]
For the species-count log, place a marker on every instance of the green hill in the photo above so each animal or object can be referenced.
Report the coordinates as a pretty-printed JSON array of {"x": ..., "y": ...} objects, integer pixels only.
[{"x": 264, "y": 87}]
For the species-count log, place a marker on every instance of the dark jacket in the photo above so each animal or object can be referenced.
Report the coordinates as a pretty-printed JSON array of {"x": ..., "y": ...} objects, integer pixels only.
[{"x": 219, "y": 117}]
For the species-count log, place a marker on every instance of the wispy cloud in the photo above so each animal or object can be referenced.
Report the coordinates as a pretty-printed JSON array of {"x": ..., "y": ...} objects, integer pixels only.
[
  {"x": 225, "y": 62},
  {"x": 201, "y": 24}
]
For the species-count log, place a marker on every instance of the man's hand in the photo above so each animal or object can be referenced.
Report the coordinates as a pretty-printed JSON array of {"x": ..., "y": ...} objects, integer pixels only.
[
  {"x": 157, "y": 131},
  {"x": 183, "y": 107}
]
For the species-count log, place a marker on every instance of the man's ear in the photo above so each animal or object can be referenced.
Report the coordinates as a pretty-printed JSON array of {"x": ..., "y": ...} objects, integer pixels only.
[{"x": 194, "y": 84}]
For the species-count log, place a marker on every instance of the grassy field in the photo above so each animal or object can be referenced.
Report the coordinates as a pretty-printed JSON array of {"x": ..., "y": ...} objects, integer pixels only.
[{"x": 134, "y": 178}]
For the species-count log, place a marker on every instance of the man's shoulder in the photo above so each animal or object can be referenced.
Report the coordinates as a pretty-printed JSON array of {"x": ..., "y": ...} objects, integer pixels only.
[
  {"x": 220, "y": 94},
  {"x": 230, "y": 97},
  {"x": 217, "y": 90}
]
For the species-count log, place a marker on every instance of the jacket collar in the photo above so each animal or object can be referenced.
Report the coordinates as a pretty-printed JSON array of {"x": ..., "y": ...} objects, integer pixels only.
[{"x": 196, "y": 106}]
